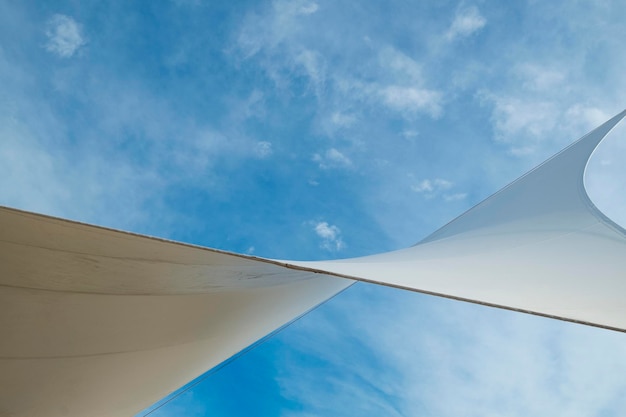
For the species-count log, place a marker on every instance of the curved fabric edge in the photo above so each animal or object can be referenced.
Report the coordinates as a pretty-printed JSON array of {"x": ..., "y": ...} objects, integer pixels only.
[
  {"x": 597, "y": 211},
  {"x": 538, "y": 246}
]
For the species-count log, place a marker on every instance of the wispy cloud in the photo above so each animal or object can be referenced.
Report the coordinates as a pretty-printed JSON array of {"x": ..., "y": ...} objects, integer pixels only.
[
  {"x": 540, "y": 78},
  {"x": 527, "y": 123},
  {"x": 467, "y": 21},
  {"x": 412, "y": 100},
  {"x": 437, "y": 187},
  {"x": 454, "y": 197},
  {"x": 65, "y": 36},
  {"x": 514, "y": 117},
  {"x": 332, "y": 158},
  {"x": 340, "y": 119},
  {"x": 429, "y": 186},
  {"x": 552, "y": 85},
  {"x": 283, "y": 40}
]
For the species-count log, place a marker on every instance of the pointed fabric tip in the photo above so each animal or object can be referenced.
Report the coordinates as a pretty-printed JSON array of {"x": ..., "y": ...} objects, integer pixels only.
[{"x": 539, "y": 246}]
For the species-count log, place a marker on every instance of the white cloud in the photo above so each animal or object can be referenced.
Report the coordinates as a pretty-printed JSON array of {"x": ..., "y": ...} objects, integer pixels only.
[
  {"x": 332, "y": 158},
  {"x": 284, "y": 42},
  {"x": 313, "y": 65},
  {"x": 64, "y": 36},
  {"x": 334, "y": 123},
  {"x": 539, "y": 78},
  {"x": 330, "y": 235},
  {"x": 402, "y": 89},
  {"x": 288, "y": 8},
  {"x": 454, "y": 197},
  {"x": 466, "y": 22},
  {"x": 589, "y": 116},
  {"x": 412, "y": 100},
  {"x": 275, "y": 27},
  {"x": 337, "y": 157},
  {"x": 437, "y": 187},
  {"x": 522, "y": 123},
  {"x": 533, "y": 117},
  {"x": 561, "y": 84},
  {"x": 401, "y": 65},
  {"x": 308, "y": 8},
  {"x": 527, "y": 123},
  {"x": 342, "y": 120},
  {"x": 263, "y": 149},
  {"x": 410, "y": 134},
  {"x": 429, "y": 186}
]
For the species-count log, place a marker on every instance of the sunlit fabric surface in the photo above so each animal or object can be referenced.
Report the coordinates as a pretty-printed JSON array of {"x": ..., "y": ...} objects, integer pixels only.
[
  {"x": 103, "y": 323},
  {"x": 538, "y": 245}
]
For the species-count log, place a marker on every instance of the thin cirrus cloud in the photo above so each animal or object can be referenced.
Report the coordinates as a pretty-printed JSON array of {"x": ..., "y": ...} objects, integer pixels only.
[
  {"x": 437, "y": 187},
  {"x": 282, "y": 40},
  {"x": 412, "y": 100},
  {"x": 525, "y": 124},
  {"x": 467, "y": 21},
  {"x": 430, "y": 186},
  {"x": 332, "y": 158}
]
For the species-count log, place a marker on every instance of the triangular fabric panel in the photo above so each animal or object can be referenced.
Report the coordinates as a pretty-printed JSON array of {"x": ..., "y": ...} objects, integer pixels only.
[
  {"x": 538, "y": 245},
  {"x": 96, "y": 322}
]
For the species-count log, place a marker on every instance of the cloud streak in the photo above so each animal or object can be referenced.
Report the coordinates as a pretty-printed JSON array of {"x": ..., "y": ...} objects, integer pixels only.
[
  {"x": 437, "y": 187},
  {"x": 467, "y": 21},
  {"x": 332, "y": 158}
]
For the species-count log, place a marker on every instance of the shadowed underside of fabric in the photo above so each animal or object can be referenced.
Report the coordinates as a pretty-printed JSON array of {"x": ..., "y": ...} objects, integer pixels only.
[{"x": 101, "y": 322}]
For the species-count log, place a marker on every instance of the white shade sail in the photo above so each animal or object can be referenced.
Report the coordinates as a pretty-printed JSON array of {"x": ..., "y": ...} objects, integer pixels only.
[
  {"x": 538, "y": 245},
  {"x": 100, "y": 322},
  {"x": 96, "y": 322}
]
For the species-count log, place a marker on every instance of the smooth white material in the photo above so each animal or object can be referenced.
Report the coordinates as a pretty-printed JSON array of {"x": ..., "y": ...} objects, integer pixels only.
[
  {"x": 96, "y": 322},
  {"x": 539, "y": 246},
  {"x": 99, "y": 322}
]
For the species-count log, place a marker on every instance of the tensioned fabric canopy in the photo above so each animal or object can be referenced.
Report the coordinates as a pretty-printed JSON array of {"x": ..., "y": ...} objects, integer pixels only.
[{"x": 100, "y": 322}]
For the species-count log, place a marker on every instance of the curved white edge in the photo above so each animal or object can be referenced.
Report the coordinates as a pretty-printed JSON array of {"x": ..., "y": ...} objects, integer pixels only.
[
  {"x": 100, "y": 322},
  {"x": 598, "y": 212},
  {"x": 538, "y": 246}
]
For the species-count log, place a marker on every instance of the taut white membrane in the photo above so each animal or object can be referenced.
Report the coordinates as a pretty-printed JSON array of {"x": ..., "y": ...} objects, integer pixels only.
[
  {"x": 103, "y": 323},
  {"x": 539, "y": 246}
]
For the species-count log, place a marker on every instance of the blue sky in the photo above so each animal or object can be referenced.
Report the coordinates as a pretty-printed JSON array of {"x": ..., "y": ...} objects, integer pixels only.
[{"x": 318, "y": 130}]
